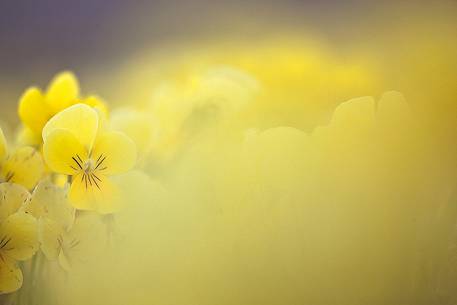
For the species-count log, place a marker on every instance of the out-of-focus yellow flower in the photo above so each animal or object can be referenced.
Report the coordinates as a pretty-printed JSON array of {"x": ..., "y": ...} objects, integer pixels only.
[
  {"x": 12, "y": 199},
  {"x": 18, "y": 235},
  {"x": 49, "y": 201},
  {"x": 26, "y": 136},
  {"x": 136, "y": 125},
  {"x": 23, "y": 165},
  {"x": 363, "y": 127},
  {"x": 181, "y": 109},
  {"x": 75, "y": 145},
  {"x": 98, "y": 104},
  {"x": 301, "y": 79},
  {"x": 363, "y": 118},
  {"x": 84, "y": 242},
  {"x": 353, "y": 120},
  {"x": 36, "y": 108},
  {"x": 3, "y": 146},
  {"x": 62, "y": 236}
]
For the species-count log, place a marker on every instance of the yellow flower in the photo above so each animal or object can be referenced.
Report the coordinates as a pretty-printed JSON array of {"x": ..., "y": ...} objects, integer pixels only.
[
  {"x": 36, "y": 108},
  {"x": 62, "y": 237},
  {"x": 137, "y": 126},
  {"x": 179, "y": 110},
  {"x": 83, "y": 243},
  {"x": 18, "y": 235},
  {"x": 75, "y": 145},
  {"x": 48, "y": 201},
  {"x": 26, "y": 136},
  {"x": 3, "y": 146},
  {"x": 23, "y": 166}
]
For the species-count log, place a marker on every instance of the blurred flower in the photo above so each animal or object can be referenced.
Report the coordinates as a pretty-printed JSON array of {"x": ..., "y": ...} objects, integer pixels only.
[
  {"x": 3, "y": 146},
  {"x": 18, "y": 235},
  {"x": 181, "y": 109},
  {"x": 62, "y": 236},
  {"x": 36, "y": 108},
  {"x": 26, "y": 136},
  {"x": 364, "y": 119},
  {"x": 74, "y": 145},
  {"x": 24, "y": 165},
  {"x": 137, "y": 126},
  {"x": 49, "y": 201},
  {"x": 84, "y": 242}
]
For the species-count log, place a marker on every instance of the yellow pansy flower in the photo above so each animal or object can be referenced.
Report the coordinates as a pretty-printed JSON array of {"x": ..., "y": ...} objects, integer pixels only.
[
  {"x": 62, "y": 236},
  {"x": 49, "y": 201},
  {"x": 180, "y": 110},
  {"x": 136, "y": 125},
  {"x": 18, "y": 235},
  {"x": 75, "y": 145},
  {"x": 97, "y": 103},
  {"x": 23, "y": 165},
  {"x": 36, "y": 108},
  {"x": 83, "y": 243}
]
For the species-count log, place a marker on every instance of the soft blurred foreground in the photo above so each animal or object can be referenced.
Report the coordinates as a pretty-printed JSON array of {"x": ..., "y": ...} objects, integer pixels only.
[{"x": 284, "y": 172}]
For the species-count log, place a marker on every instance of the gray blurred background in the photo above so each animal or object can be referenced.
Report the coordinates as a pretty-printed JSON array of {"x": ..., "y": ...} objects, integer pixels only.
[
  {"x": 40, "y": 38},
  {"x": 53, "y": 35}
]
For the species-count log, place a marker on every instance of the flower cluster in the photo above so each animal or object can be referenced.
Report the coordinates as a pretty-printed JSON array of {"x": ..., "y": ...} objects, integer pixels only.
[{"x": 56, "y": 187}]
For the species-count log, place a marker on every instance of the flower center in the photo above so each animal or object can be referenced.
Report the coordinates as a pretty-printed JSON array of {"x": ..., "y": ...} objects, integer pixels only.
[
  {"x": 88, "y": 166},
  {"x": 89, "y": 169}
]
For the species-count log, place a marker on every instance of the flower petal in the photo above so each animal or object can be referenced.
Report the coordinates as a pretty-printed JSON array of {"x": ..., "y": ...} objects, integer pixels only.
[
  {"x": 98, "y": 104},
  {"x": 62, "y": 91},
  {"x": 10, "y": 275},
  {"x": 355, "y": 113},
  {"x": 351, "y": 121},
  {"x": 94, "y": 193},
  {"x": 79, "y": 119},
  {"x": 136, "y": 125},
  {"x": 20, "y": 236},
  {"x": 50, "y": 202},
  {"x": 393, "y": 109},
  {"x": 12, "y": 197},
  {"x": 117, "y": 151},
  {"x": 27, "y": 137},
  {"x": 50, "y": 236},
  {"x": 84, "y": 242},
  {"x": 25, "y": 166},
  {"x": 61, "y": 150},
  {"x": 3, "y": 146},
  {"x": 80, "y": 197},
  {"x": 33, "y": 110}
]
